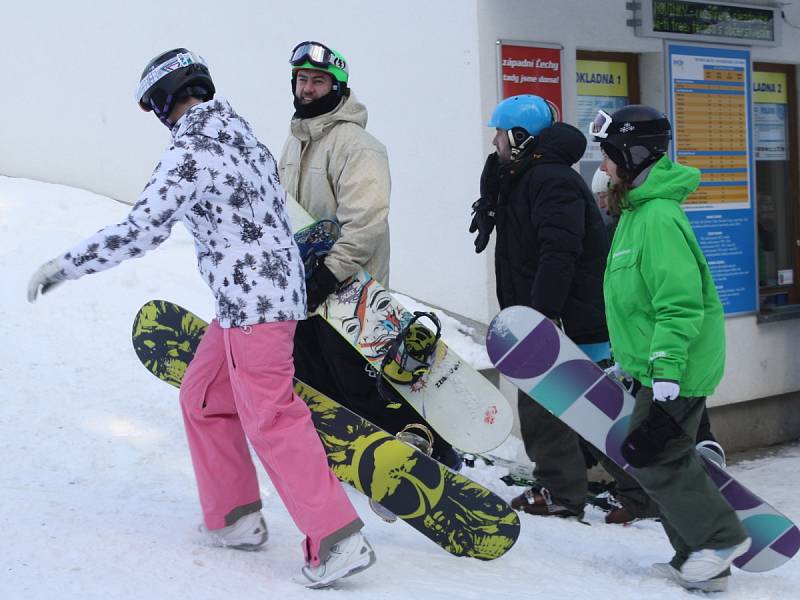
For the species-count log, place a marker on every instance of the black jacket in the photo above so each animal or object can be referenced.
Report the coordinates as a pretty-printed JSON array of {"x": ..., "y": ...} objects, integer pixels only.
[{"x": 552, "y": 245}]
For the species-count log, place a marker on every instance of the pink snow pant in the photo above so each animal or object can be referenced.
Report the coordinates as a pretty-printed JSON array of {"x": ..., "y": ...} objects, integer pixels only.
[{"x": 237, "y": 388}]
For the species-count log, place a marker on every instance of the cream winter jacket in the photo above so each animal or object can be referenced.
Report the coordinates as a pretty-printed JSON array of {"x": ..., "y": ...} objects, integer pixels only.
[{"x": 336, "y": 170}]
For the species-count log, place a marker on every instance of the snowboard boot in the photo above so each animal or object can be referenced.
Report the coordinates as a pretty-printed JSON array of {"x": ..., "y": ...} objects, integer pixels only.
[
  {"x": 347, "y": 557},
  {"x": 247, "y": 533},
  {"x": 712, "y": 451},
  {"x": 706, "y": 564},
  {"x": 619, "y": 516},
  {"x": 719, "y": 583},
  {"x": 538, "y": 501},
  {"x": 616, "y": 513},
  {"x": 423, "y": 444}
]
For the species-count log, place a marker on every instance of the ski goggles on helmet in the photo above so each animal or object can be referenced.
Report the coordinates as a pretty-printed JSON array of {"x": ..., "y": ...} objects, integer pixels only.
[
  {"x": 316, "y": 54},
  {"x": 184, "y": 59},
  {"x": 599, "y": 127}
]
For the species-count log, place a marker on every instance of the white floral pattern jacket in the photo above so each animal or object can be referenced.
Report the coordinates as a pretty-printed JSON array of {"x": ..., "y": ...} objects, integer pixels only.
[{"x": 222, "y": 183}]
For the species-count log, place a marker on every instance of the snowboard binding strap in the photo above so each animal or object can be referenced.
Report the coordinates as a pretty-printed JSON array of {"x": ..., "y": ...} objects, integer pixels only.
[
  {"x": 410, "y": 355},
  {"x": 409, "y": 435}
]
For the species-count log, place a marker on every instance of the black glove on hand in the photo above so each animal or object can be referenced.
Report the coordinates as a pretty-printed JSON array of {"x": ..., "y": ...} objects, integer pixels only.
[
  {"x": 319, "y": 286},
  {"x": 644, "y": 445},
  {"x": 483, "y": 209},
  {"x": 482, "y": 222}
]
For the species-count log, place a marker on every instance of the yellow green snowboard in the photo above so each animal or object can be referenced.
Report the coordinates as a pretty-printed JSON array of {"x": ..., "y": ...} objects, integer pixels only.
[{"x": 456, "y": 513}]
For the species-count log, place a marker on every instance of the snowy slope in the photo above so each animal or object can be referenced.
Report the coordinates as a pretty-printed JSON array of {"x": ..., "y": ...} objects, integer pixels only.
[{"x": 96, "y": 486}]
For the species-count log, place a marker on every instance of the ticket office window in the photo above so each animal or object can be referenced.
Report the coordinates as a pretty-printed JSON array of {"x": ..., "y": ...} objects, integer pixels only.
[
  {"x": 777, "y": 198},
  {"x": 608, "y": 81}
]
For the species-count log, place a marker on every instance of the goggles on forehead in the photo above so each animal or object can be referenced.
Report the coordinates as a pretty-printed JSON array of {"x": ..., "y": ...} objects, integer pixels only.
[
  {"x": 184, "y": 59},
  {"x": 316, "y": 54},
  {"x": 599, "y": 127}
]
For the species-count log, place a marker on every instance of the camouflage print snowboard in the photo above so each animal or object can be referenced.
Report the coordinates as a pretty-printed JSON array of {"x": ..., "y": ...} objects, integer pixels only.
[{"x": 456, "y": 513}]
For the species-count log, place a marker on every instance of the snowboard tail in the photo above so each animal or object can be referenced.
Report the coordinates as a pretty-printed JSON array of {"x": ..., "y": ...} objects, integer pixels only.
[
  {"x": 536, "y": 356},
  {"x": 462, "y": 517}
]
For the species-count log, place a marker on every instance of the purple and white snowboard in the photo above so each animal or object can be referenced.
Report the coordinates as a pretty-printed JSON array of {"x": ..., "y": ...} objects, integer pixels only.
[{"x": 532, "y": 353}]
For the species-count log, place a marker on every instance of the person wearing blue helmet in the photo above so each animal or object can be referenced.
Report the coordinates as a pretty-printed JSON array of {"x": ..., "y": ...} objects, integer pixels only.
[{"x": 550, "y": 254}]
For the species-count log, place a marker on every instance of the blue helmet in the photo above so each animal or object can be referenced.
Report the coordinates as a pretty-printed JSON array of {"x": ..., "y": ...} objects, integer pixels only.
[{"x": 529, "y": 112}]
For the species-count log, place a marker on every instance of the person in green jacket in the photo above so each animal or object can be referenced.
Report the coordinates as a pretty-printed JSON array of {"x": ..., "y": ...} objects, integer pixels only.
[{"x": 667, "y": 331}]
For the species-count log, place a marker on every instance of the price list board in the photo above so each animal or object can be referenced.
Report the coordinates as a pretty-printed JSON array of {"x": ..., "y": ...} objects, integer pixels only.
[
  {"x": 710, "y": 106},
  {"x": 710, "y": 111}
]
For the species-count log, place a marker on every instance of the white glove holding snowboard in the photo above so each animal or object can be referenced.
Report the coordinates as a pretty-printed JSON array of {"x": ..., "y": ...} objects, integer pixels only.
[
  {"x": 47, "y": 277},
  {"x": 664, "y": 391}
]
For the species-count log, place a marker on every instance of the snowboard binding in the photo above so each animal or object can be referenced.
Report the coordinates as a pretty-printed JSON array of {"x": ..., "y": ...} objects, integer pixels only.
[
  {"x": 410, "y": 355},
  {"x": 409, "y": 436},
  {"x": 423, "y": 443}
]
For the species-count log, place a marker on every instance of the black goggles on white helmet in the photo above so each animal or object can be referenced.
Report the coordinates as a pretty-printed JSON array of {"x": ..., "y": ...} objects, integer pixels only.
[
  {"x": 318, "y": 55},
  {"x": 184, "y": 59},
  {"x": 599, "y": 127}
]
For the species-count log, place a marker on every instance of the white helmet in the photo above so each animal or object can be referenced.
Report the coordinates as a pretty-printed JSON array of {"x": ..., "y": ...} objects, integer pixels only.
[{"x": 600, "y": 182}]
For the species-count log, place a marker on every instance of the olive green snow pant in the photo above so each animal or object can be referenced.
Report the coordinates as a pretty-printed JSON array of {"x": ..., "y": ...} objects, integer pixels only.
[{"x": 694, "y": 513}]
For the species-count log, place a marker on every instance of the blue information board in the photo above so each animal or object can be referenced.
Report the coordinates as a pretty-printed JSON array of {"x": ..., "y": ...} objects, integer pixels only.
[{"x": 710, "y": 108}]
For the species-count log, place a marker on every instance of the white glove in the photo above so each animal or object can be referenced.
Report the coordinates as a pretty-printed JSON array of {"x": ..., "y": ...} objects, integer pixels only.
[
  {"x": 663, "y": 391},
  {"x": 47, "y": 277}
]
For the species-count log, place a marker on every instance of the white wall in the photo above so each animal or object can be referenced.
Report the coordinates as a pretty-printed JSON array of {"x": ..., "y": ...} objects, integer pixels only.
[
  {"x": 425, "y": 69},
  {"x": 70, "y": 70}
]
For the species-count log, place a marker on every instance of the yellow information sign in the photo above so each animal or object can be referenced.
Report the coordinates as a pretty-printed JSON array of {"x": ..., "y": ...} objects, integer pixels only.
[
  {"x": 601, "y": 78},
  {"x": 769, "y": 87}
]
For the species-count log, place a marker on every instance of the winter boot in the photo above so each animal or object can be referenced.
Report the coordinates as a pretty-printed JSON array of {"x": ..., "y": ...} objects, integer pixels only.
[
  {"x": 706, "y": 564},
  {"x": 719, "y": 583},
  {"x": 538, "y": 501},
  {"x": 247, "y": 533},
  {"x": 347, "y": 557}
]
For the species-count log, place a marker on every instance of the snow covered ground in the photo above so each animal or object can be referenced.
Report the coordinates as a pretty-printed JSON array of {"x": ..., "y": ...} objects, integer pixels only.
[{"x": 96, "y": 487}]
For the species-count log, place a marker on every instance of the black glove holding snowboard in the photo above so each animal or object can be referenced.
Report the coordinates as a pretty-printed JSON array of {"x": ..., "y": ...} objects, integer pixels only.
[
  {"x": 321, "y": 284},
  {"x": 645, "y": 443}
]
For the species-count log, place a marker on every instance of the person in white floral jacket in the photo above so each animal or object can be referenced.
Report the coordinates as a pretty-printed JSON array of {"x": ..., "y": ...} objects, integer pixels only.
[{"x": 222, "y": 184}]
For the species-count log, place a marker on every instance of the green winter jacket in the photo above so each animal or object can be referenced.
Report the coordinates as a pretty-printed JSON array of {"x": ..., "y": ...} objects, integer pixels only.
[{"x": 665, "y": 319}]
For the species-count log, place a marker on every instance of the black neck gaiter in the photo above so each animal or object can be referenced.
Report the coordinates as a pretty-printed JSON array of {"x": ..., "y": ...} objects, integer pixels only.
[{"x": 318, "y": 107}]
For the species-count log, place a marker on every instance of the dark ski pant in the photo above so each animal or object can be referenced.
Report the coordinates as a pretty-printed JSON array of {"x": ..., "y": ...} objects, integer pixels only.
[
  {"x": 559, "y": 455},
  {"x": 555, "y": 450},
  {"x": 327, "y": 362},
  {"x": 630, "y": 494},
  {"x": 694, "y": 513}
]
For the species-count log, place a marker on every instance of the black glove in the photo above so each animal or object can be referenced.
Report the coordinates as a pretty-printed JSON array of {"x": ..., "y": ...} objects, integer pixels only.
[
  {"x": 483, "y": 209},
  {"x": 319, "y": 286},
  {"x": 482, "y": 222},
  {"x": 645, "y": 444}
]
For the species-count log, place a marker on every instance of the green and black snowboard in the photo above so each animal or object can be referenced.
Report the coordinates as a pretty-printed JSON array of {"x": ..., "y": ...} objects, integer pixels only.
[{"x": 456, "y": 513}]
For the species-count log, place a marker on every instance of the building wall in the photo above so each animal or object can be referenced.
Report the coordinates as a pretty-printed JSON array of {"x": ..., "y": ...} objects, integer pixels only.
[
  {"x": 426, "y": 70},
  {"x": 762, "y": 358},
  {"x": 71, "y": 68}
]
